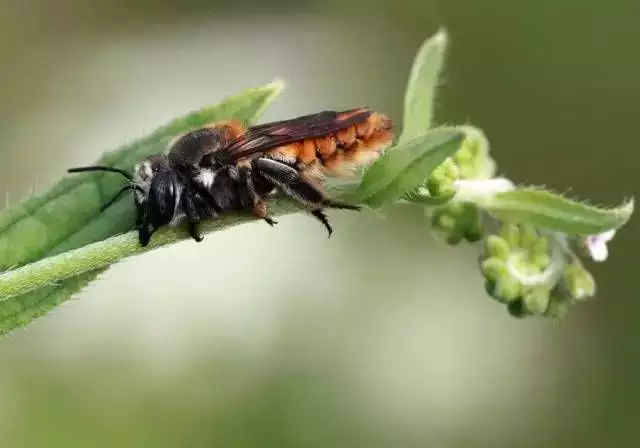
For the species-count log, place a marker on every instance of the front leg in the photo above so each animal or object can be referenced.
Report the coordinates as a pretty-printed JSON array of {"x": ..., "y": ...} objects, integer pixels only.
[{"x": 200, "y": 181}]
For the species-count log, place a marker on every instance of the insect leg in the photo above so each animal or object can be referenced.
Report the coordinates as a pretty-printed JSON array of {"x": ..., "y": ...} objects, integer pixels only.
[
  {"x": 193, "y": 219},
  {"x": 201, "y": 193},
  {"x": 321, "y": 216},
  {"x": 294, "y": 185},
  {"x": 261, "y": 210},
  {"x": 251, "y": 199}
]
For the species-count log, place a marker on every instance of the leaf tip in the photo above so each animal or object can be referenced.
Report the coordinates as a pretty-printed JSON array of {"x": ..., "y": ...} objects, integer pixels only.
[
  {"x": 437, "y": 42},
  {"x": 270, "y": 92},
  {"x": 626, "y": 210},
  {"x": 276, "y": 86},
  {"x": 441, "y": 37}
]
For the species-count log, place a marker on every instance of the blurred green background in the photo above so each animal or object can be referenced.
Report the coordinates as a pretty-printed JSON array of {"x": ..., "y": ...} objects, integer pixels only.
[{"x": 379, "y": 337}]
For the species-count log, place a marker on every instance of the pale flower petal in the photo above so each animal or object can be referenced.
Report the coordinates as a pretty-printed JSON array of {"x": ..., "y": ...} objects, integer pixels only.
[
  {"x": 608, "y": 235},
  {"x": 597, "y": 245}
]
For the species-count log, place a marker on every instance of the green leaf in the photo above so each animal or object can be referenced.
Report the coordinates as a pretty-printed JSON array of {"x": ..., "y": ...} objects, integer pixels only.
[
  {"x": 422, "y": 85},
  {"x": 68, "y": 215},
  {"x": 554, "y": 212},
  {"x": 406, "y": 166}
]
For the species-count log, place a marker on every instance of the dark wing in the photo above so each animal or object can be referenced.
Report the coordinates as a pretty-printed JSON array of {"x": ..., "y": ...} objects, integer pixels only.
[{"x": 261, "y": 138}]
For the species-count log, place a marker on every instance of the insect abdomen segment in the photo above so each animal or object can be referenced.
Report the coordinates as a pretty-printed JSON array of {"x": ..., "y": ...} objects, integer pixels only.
[{"x": 341, "y": 150}]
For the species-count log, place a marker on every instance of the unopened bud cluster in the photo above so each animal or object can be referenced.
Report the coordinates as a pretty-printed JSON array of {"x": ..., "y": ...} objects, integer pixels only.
[
  {"x": 529, "y": 273},
  {"x": 471, "y": 161},
  {"x": 458, "y": 221}
]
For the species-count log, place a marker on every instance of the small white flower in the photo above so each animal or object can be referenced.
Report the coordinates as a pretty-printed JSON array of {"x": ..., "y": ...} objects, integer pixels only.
[{"x": 597, "y": 245}]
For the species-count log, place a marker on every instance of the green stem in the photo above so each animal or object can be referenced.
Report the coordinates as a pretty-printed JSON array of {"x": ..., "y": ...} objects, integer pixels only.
[{"x": 104, "y": 253}]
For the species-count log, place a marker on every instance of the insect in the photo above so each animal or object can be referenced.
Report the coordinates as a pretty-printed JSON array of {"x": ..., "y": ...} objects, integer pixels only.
[{"x": 225, "y": 167}]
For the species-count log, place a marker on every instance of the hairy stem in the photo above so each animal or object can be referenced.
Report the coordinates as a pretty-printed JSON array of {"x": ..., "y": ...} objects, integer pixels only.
[{"x": 106, "y": 252}]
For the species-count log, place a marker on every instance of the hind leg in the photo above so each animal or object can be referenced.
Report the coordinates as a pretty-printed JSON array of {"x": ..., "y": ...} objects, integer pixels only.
[
  {"x": 321, "y": 216},
  {"x": 296, "y": 186}
]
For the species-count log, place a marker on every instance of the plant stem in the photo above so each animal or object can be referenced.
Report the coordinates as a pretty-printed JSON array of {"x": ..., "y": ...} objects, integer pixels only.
[{"x": 104, "y": 253}]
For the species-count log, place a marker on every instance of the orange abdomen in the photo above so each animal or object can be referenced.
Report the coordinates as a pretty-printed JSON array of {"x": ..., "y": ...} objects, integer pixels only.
[{"x": 344, "y": 149}]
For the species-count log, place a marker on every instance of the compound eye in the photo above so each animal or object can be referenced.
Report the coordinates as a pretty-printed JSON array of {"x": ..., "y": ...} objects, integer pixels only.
[{"x": 162, "y": 200}]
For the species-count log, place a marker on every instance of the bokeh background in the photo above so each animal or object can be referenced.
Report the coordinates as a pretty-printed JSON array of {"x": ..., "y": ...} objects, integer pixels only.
[{"x": 379, "y": 337}]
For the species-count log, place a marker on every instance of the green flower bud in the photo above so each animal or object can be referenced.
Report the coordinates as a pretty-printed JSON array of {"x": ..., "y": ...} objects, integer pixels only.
[
  {"x": 541, "y": 246},
  {"x": 443, "y": 222},
  {"x": 466, "y": 172},
  {"x": 490, "y": 289},
  {"x": 464, "y": 156},
  {"x": 497, "y": 247},
  {"x": 578, "y": 282},
  {"x": 455, "y": 209},
  {"x": 450, "y": 169},
  {"x": 508, "y": 288},
  {"x": 455, "y": 237},
  {"x": 474, "y": 231},
  {"x": 511, "y": 234},
  {"x": 479, "y": 165},
  {"x": 558, "y": 307},
  {"x": 494, "y": 269},
  {"x": 540, "y": 261},
  {"x": 536, "y": 300},
  {"x": 517, "y": 309},
  {"x": 440, "y": 186},
  {"x": 528, "y": 236}
]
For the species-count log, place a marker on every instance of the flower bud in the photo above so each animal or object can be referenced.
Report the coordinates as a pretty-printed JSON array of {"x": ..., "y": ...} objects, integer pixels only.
[
  {"x": 440, "y": 185},
  {"x": 497, "y": 247},
  {"x": 494, "y": 269},
  {"x": 558, "y": 307},
  {"x": 508, "y": 289},
  {"x": 536, "y": 300},
  {"x": 517, "y": 309},
  {"x": 578, "y": 282}
]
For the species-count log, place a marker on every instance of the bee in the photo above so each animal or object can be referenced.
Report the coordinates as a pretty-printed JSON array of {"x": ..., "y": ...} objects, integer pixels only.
[{"x": 225, "y": 166}]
